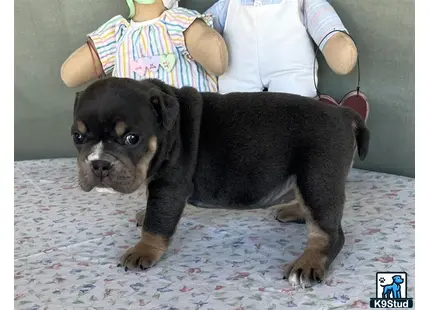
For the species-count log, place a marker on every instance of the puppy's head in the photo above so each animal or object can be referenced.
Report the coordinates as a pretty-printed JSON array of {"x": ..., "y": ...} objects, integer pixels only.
[{"x": 119, "y": 126}]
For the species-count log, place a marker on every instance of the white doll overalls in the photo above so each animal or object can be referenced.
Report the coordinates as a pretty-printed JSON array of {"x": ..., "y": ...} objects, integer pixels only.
[{"x": 268, "y": 47}]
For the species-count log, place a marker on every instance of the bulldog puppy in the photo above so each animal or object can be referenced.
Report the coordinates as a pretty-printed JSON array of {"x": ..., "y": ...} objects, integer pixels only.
[{"x": 237, "y": 151}]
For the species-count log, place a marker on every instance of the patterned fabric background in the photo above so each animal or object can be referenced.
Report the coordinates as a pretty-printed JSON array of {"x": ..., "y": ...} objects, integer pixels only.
[{"x": 67, "y": 246}]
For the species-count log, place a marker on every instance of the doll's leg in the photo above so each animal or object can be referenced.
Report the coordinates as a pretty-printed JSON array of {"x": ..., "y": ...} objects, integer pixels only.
[{"x": 294, "y": 82}]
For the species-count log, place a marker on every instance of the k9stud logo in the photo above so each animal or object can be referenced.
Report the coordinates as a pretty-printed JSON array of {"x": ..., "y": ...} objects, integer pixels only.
[{"x": 391, "y": 291}]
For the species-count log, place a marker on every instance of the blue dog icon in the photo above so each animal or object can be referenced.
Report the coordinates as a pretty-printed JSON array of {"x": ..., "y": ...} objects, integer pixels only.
[{"x": 393, "y": 290}]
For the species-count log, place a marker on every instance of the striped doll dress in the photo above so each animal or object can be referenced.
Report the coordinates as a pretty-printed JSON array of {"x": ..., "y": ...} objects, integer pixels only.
[{"x": 152, "y": 49}]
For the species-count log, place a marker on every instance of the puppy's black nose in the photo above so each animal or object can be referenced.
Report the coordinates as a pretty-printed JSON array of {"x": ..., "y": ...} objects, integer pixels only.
[{"x": 101, "y": 167}]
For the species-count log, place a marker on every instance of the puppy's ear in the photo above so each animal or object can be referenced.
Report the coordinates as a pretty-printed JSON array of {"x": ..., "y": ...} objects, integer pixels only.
[{"x": 166, "y": 107}]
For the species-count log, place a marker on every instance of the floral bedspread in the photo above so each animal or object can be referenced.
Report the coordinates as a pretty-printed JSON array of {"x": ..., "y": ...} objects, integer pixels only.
[{"x": 67, "y": 246}]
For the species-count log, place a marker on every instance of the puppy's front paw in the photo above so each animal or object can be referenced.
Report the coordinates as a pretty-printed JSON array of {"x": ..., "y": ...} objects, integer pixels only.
[
  {"x": 146, "y": 252},
  {"x": 141, "y": 256},
  {"x": 307, "y": 269},
  {"x": 140, "y": 217}
]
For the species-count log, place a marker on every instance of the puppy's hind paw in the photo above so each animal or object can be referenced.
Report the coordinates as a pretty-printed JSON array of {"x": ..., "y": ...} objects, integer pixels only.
[
  {"x": 306, "y": 270},
  {"x": 290, "y": 212}
]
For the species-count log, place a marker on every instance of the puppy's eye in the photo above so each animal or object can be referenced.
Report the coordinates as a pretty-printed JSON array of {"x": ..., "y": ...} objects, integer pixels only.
[
  {"x": 78, "y": 138},
  {"x": 131, "y": 139}
]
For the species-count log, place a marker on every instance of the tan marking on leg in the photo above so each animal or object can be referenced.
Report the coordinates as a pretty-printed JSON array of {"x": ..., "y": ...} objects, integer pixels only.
[
  {"x": 311, "y": 265},
  {"x": 146, "y": 252},
  {"x": 157, "y": 242},
  {"x": 317, "y": 238},
  {"x": 151, "y": 247},
  {"x": 120, "y": 128},
  {"x": 81, "y": 127}
]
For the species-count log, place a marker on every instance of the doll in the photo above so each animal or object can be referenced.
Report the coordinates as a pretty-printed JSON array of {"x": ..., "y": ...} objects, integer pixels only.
[
  {"x": 270, "y": 46},
  {"x": 161, "y": 40}
]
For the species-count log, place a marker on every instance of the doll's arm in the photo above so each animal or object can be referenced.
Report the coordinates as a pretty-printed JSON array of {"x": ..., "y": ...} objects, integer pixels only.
[
  {"x": 81, "y": 67},
  {"x": 207, "y": 47},
  {"x": 97, "y": 56},
  {"x": 338, "y": 49}
]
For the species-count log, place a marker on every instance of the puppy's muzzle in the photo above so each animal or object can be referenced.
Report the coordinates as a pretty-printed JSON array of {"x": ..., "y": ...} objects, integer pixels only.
[
  {"x": 101, "y": 168},
  {"x": 101, "y": 164}
]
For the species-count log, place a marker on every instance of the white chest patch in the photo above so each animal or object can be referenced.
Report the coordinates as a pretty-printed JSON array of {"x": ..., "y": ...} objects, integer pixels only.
[{"x": 105, "y": 190}]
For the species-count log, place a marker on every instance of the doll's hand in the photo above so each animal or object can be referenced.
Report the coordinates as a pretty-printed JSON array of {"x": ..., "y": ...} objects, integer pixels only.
[{"x": 340, "y": 53}]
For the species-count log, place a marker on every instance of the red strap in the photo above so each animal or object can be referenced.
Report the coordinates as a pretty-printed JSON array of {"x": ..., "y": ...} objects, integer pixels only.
[{"x": 92, "y": 49}]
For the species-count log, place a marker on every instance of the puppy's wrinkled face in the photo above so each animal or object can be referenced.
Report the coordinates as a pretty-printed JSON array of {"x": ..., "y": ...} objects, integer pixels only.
[{"x": 116, "y": 127}]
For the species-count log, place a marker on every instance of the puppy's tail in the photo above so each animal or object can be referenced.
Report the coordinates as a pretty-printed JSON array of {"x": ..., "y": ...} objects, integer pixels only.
[{"x": 362, "y": 134}]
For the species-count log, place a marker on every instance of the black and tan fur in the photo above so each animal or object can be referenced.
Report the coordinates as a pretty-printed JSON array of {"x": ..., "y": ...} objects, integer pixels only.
[{"x": 234, "y": 151}]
